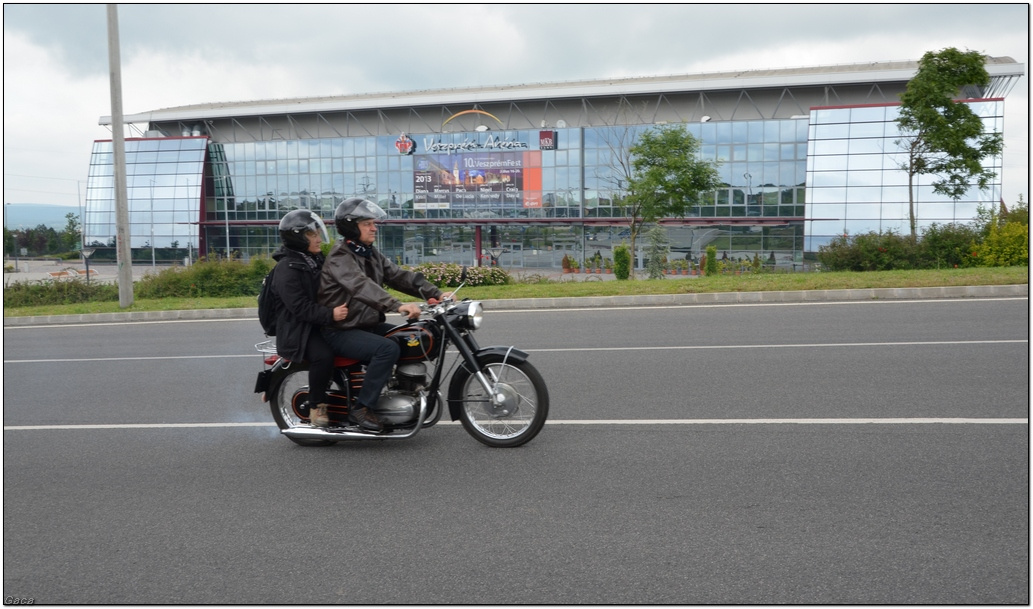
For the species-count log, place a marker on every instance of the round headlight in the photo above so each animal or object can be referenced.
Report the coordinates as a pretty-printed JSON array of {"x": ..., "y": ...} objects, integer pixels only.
[{"x": 474, "y": 315}]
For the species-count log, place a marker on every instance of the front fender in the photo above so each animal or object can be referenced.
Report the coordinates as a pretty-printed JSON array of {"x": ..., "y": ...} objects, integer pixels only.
[{"x": 485, "y": 355}]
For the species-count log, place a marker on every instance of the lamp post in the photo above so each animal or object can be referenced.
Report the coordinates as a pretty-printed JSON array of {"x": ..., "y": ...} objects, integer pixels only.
[
  {"x": 152, "y": 225},
  {"x": 86, "y": 253}
]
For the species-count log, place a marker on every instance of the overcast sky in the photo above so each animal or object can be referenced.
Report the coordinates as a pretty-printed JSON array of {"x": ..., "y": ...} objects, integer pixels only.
[{"x": 56, "y": 74}]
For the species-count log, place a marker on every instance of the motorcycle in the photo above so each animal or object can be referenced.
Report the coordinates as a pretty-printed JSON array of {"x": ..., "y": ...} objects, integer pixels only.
[{"x": 494, "y": 392}]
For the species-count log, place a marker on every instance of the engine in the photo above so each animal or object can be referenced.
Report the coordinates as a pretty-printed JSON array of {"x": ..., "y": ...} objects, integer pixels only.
[{"x": 400, "y": 402}]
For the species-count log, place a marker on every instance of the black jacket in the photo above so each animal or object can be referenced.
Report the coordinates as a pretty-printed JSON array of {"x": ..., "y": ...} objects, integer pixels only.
[
  {"x": 355, "y": 279},
  {"x": 296, "y": 282}
]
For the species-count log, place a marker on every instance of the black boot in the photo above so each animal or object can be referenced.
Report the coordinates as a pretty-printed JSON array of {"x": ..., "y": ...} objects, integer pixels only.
[{"x": 365, "y": 418}]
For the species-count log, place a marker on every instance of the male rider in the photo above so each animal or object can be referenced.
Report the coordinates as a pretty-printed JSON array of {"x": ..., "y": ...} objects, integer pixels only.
[{"x": 354, "y": 274}]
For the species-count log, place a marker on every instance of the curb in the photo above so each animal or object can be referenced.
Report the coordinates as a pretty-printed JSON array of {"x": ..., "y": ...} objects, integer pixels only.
[{"x": 990, "y": 291}]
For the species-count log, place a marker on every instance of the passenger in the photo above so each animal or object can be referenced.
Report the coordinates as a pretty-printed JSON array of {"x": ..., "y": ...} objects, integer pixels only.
[
  {"x": 354, "y": 274},
  {"x": 296, "y": 283}
]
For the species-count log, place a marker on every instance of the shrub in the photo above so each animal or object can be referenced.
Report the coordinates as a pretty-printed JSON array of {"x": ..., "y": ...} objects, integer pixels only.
[
  {"x": 215, "y": 279},
  {"x": 949, "y": 245},
  {"x": 1007, "y": 245},
  {"x": 621, "y": 261},
  {"x": 871, "y": 251},
  {"x": 447, "y": 275},
  {"x": 57, "y": 292},
  {"x": 711, "y": 263}
]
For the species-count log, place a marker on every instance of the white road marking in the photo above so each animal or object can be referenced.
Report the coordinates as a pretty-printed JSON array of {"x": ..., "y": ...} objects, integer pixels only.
[
  {"x": 257, "y": 355},
  {"x": 877, "y": 421}
]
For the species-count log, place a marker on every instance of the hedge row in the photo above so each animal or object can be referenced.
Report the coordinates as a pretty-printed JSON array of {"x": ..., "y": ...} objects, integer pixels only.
[{"x": 212, "y": 279}]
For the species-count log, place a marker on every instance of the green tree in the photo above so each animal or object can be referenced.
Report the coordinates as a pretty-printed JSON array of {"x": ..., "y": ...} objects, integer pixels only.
[
  {"x": 71, "y": 236},
  {"x": 666, "y": 177},
  {"x": 654, "y": 173},
  {"x": 659, "y": 248},
  {"x": 941, "y": 137}
]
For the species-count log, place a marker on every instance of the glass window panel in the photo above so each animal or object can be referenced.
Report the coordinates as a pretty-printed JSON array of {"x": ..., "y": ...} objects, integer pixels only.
[
  {"x": 722, "y": 132},
  {"x": 863, "y": 211},
  {"x": 858, "y": 130},
  {"x": 708, "y": 133},
  {"x": 859, "y": 227},
  {"x": 740, "y": 132},
  {"x": 861, "y": 162},
  {"x": 827, "y": 195},
  {"x": 830, "y": 132},
  {"x": 872, "y": 146},
  {"x": 864, "y": 178},
  {"x": 894, "y": 178},
  {"x": 819, "y": 179},
  {"x": 823, "y": 147},
  {"x": 868, "y": 114},
  {"x": 829, "y": 163}
]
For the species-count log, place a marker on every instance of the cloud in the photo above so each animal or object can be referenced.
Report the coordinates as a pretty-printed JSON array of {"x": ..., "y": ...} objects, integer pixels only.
[
  {"x": 56, "y": 73},
  {"x": 48, "y": 129}
]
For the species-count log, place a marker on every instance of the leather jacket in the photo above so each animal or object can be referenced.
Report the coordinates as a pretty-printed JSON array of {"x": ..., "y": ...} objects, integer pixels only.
[{"x": 353, "y": 274}]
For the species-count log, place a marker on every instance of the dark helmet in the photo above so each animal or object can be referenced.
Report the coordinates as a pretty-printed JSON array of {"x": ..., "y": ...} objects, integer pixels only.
[
  {"x": 351, "y": 211},
  {"x": 296, "y": 224}
]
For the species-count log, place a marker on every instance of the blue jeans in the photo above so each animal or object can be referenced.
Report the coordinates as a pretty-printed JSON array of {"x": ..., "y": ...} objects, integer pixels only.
[{"x": 369, "y": 346}]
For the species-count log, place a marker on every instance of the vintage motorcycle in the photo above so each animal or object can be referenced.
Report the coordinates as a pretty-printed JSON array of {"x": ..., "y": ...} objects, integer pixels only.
[{"x": 496, "y": 394}]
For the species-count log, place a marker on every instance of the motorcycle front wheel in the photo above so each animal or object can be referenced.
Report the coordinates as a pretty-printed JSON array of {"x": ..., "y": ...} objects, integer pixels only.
[
  {"x": 287, "y": 391},
  {"x": 514, "y": 421}
]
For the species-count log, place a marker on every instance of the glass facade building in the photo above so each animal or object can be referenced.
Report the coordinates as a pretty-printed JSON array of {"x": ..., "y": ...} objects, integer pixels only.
[
  {"x": 519, "y": 190},
  {"x": 856, "y": 179}
]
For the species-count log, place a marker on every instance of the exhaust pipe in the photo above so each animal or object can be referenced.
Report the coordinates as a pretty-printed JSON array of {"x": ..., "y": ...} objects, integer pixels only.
[{"x": 344, "y": 433}]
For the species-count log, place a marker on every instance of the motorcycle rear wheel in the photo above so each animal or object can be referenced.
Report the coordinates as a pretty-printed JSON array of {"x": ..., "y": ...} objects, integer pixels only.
[
  {"x": 289, "y": 389},
  {"x": 515, "y": 422}
]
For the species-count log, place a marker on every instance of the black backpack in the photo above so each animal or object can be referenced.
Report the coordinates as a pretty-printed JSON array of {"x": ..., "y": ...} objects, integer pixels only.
[{"x": 269, "y": 305}]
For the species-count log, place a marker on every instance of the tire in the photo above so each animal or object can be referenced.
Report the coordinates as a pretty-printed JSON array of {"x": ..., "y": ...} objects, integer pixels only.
[
  {"x": 518, "y": 420},
  {"x": 287, "y": 391}
]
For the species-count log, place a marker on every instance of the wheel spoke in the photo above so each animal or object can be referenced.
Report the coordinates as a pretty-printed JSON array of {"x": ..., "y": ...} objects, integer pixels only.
[{"x": 518, "y": 389}]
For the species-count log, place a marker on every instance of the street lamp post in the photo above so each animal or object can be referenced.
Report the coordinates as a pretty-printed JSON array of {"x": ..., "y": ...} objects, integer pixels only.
[
  {"x": 86, "y": 253},
  {"x": 152, "y": 225}
]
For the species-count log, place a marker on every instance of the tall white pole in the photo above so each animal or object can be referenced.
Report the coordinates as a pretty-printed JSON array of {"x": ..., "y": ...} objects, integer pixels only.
[{"x": 122, "y": 244}]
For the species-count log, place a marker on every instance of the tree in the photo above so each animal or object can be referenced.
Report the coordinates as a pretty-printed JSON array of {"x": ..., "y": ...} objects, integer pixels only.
[
  {"x": 71, "y": 236},
  {"x": 664, "y": 177},
  {"x": 941, "y": 137},
  {"x": 659, "y": 248}
]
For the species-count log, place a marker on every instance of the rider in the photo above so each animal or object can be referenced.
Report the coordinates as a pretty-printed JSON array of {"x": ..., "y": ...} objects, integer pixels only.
[
  {"x": 296, "y": 283},
  {"x": 354, "y": 274}
]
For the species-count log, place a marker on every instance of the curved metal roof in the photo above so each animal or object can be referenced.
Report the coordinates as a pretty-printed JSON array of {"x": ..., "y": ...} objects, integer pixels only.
[{"x": 1001, "y": 69}]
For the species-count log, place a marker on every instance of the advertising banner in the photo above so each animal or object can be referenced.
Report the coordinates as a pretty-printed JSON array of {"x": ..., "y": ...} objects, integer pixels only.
[{"x": 483, "y": 180}]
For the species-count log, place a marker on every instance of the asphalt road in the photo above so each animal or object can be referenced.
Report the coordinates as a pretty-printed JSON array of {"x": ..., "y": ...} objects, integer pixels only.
[{"x": 861, "y": 453}]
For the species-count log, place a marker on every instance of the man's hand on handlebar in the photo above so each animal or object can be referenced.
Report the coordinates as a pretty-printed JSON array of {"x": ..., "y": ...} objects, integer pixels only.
[
  {"x": 436, "y": 301},
  {"x": 410, "y": 310}
]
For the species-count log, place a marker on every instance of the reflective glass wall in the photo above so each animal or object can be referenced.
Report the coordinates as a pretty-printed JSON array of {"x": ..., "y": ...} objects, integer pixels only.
[
  {"x": 163, "y": 186},
  {"x": 505, "y": 175},
  {"x": 856, "y": 182}
]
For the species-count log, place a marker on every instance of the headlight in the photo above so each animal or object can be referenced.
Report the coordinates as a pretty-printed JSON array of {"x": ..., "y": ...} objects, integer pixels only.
[{"x": 471, "y": 314}]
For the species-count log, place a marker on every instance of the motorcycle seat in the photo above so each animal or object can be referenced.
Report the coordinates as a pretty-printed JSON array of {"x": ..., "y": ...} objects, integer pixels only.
[{"x": 339, "y": 362}]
